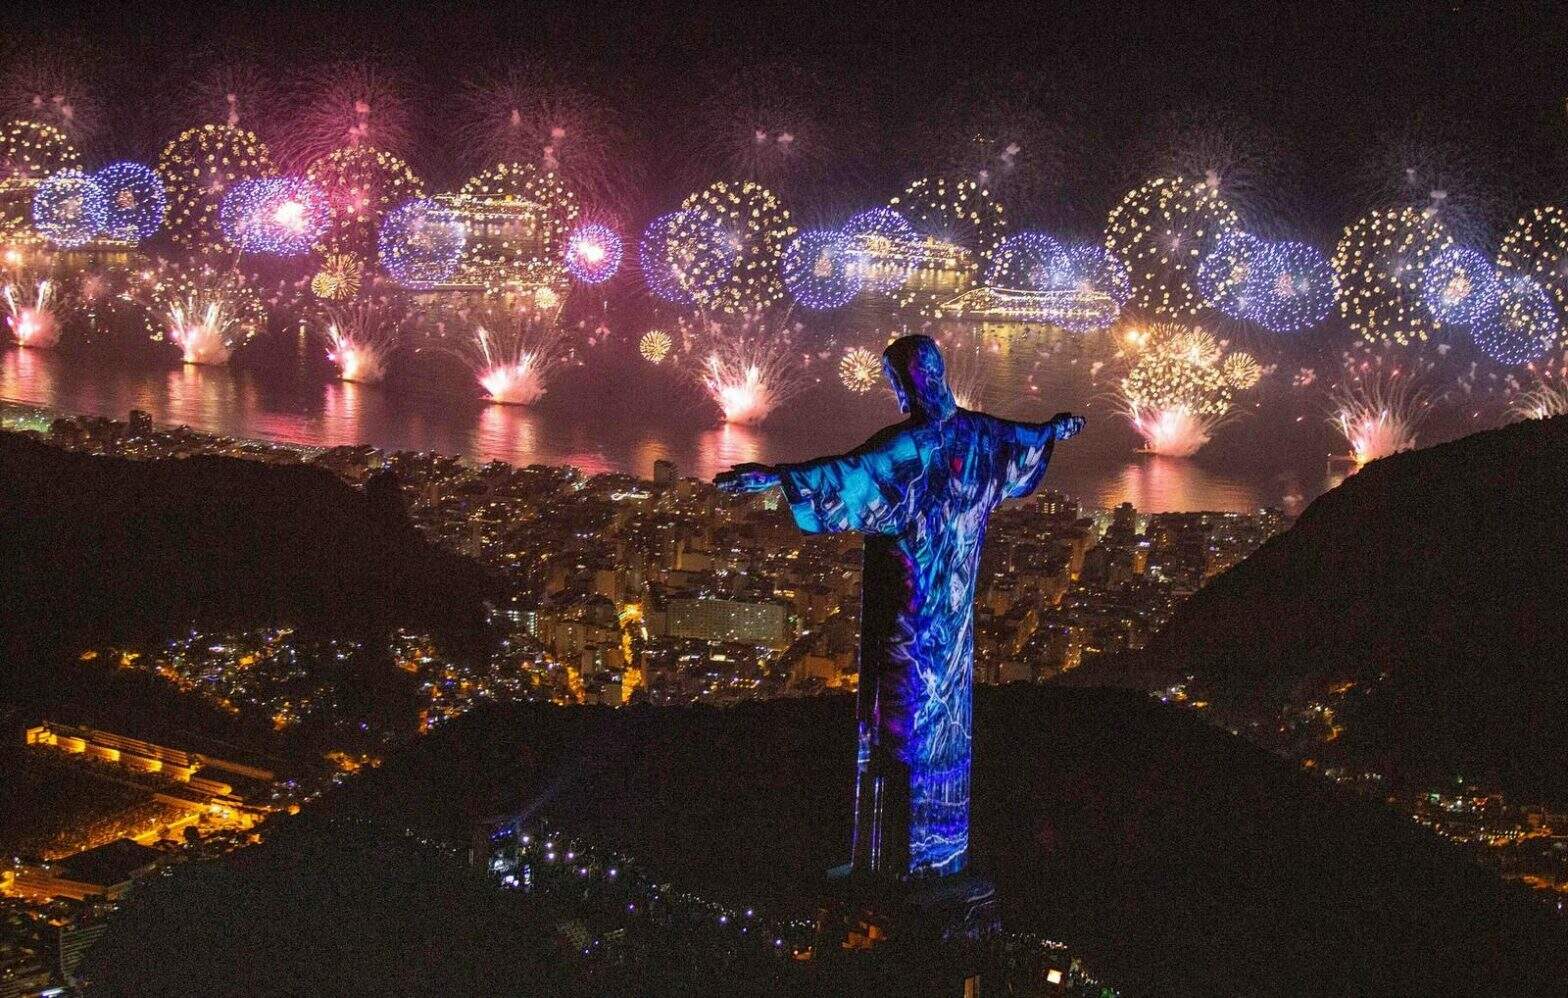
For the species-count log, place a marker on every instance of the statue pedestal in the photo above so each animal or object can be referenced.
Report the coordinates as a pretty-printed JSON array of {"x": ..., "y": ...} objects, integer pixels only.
[{"x": 930, "y": 936}]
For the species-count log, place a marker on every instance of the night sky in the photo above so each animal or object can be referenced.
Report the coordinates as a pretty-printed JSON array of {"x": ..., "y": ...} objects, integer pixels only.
[{"x": 1318, "y": 108}]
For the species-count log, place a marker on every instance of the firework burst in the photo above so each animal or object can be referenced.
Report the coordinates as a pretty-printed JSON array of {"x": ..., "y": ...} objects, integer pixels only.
[
  {"x": 1439, "y": 177},
  {"x": 361, "y": 184},
  {"x": 339, "y": 277},
  {"x": 1242, "y": 159},
  {"x": 207, "y": 313},
  {"x": 135, "y": 201},
  {"x": 360, "y": 339},
  {"x": 1178, "y": 391},
  {"x": 1297, "y": 291},
  {"x": 593, "y": 253},
  {"x": 748, "y": 365},
  {"x": 860, "y": 370},
  {"x": 725, "y": 245},
  {"x": 957, "y": 225},
  {"x": 1523, "y": 324},
  {"x": 1241, "y": 370},
  {"x": 654, "y": 346},
  {"x": 1377, "y": 407},
  {"x": 1380, "y": 262},
  {"x": 420, "y": 243},
  {"x": 69, "y": 209},
  {"x": 514, "y": 354},
  {"x": 238, "y": 95},
  {"x": 765, "y": 125},
  {"x": 819, "y": 269},
  {"x": 352, "y": 105},
  {"x": 47, "y": 88},
  {"x": 282, "y": 216},
  {"x": 1163, "y": 232},
  {"x": 998, "y": 133},
  {"x": 31, "y": 313},
  {"x": 526, "y": 115},
  {"x": 31, "y": 151},
  {"x": 1537, "y": 247},
  {"x": 198, "y": 168}
]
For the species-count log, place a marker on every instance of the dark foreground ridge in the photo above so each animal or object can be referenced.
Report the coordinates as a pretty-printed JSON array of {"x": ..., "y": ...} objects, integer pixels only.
[
  {"x": 104, "y": 549},
  {"x": 1180, "y": 859},
  {"x": 1432, "y": 579}
]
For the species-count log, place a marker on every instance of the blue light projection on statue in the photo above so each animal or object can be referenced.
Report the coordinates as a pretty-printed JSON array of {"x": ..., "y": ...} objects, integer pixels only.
[{"x": 921, "y": 491}]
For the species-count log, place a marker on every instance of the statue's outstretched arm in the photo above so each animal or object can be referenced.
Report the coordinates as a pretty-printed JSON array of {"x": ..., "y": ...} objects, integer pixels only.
[
  {"x": 872, "y": 489},
  {"x": 1024, "y": 449},
  {"x": 745, "y": 478}
]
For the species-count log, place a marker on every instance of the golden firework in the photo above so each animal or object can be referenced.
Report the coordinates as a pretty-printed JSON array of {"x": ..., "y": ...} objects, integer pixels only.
[
  {"x": 362, "y": 184},
  {"x": 1241, "y": 370},
  {"x": 338, "y": 279},
  {"x": 860, "y": 370},
  {"x": 725, "y": 245},
  {"x": 654, "y": 346},
  {"x": 1380, "y": 261},
  {"x": 1162, "y": 232},
  {"x": 1537, "y": 246},
  {"x": 31, "y": 151},
  {"x": 198, "y": 168},
  {"x": 956, "y": 226}
]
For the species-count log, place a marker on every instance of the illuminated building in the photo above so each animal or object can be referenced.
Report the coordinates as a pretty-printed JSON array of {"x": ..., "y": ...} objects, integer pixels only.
[{"x": 738, "y": 621}]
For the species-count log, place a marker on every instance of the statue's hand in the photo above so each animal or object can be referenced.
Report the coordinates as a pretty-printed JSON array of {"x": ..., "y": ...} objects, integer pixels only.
[
  {"x": 746, "y": 478},
  {"x": 1067, "y": 425}
]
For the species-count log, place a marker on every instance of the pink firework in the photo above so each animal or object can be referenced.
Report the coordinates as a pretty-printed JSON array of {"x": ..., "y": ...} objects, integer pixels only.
[
  {"x": 360, "y": 339},
  {"x": 766, "y": 124},
  {"x": 350, "y": 105},
  {"x": 1377, "y": 407},
  {"x": 748, "y": 366},
  {"x": 528, "y": 115},
  {"x": 515, "y": 355},
  {"x": 239, "y": 95},
  {"x": 30, "y": 314},
  {"x": 47, "y": 88}
]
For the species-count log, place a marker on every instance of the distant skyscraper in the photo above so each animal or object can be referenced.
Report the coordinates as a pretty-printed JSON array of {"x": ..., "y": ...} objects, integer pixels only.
[
  {"x": 141, "y": 423},
  {"x": 664, "y": 472},
  {"x": 1057, "y": 506},
  {"x": 1124, "y": 523}
]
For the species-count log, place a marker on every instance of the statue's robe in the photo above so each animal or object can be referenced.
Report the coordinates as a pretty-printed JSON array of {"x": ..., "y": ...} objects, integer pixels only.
[{"x": 921, "y": 491}]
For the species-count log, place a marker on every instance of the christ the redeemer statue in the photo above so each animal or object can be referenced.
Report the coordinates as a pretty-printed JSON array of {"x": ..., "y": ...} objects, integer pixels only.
[{"x": 921, "y": 491}]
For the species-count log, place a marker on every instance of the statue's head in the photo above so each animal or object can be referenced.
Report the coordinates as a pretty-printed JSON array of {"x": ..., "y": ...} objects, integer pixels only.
[{"x": 914, "y": 368}]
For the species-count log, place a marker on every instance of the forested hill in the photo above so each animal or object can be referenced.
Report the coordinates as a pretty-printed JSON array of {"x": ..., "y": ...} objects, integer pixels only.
[
  {"x": 108, "y": 549},
  {"x": 1436, "y": 579}
]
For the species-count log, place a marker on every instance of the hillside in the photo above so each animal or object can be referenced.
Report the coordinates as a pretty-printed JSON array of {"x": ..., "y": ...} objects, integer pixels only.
[
  {"x": 1435, "y": 580},
  {"x": 1178, "y": 858},
  {"x": 103, "y": 549}
]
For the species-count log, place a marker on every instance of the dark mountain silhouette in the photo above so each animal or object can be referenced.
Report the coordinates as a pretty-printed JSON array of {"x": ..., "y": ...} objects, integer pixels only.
[
  {"x": 1436, "y": 579},
  {"x": 103, "y": 549},
  {"x": 378, "y": 914},
  {"x": 1177, "y": 858}
]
